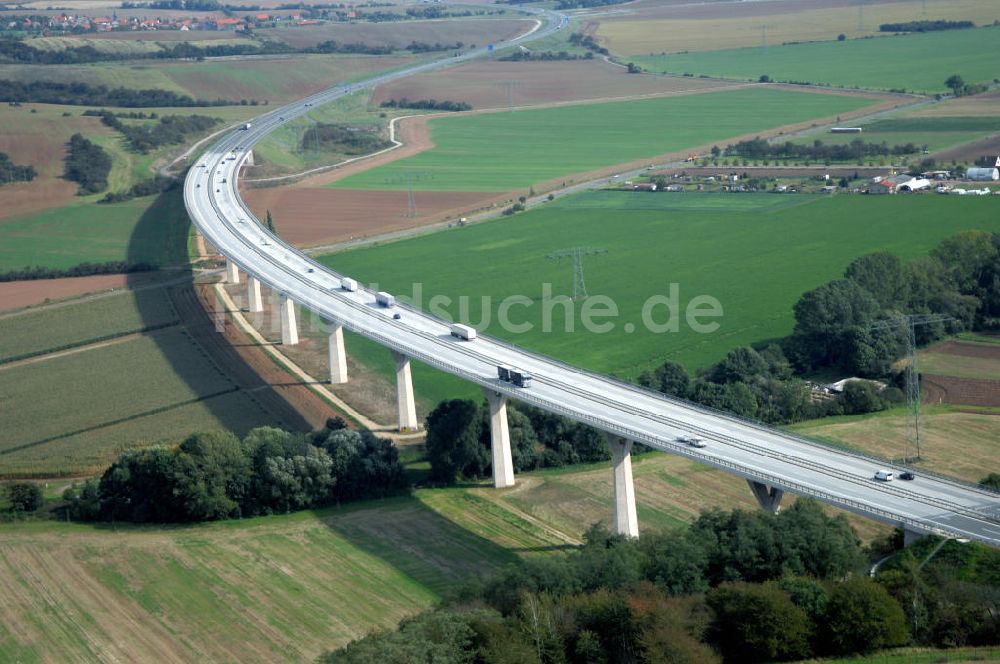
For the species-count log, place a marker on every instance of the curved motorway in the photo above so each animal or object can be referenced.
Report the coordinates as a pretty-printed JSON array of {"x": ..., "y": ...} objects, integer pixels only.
[{"x": 929, "y": 504}]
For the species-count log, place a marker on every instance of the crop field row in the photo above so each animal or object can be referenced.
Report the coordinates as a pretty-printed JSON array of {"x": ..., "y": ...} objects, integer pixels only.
[
  {"x": 656, "y": 28},
  {"x": 755, "y": 262},
  {"x": 917, "y": 62},
  {"x": 398, "y": 35},
  {"x": 508, "y": 151},
  {"x": 73, "y": 324}
]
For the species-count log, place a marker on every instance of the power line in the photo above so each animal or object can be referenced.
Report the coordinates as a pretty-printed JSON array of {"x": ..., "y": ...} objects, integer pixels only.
[
  {"x": 908, "y": 323},
  {"x": 577, "y": 254}
]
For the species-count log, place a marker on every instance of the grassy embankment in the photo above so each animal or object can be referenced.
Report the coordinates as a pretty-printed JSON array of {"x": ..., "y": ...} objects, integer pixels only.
[{"x": 895, "y": 62}]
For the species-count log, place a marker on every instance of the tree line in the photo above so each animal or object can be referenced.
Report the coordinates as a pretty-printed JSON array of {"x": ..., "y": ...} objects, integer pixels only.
[
  {"x": 458, "y": 440},
  {"x": 82, "y": 94},
  {"x": 347, "y": 139},
  {"x": 87, "y": 164},
  {"x": 925, "y": 26},
  {"x": 168, "y": 130},
  {"x": 427, "y": 104},
  {"x": 544, "y": 56},
  {"x": 11, "y": 172},
  {"x": 212, "y": 476},
  {"x": 155, "y": 185},
  {"x": 587, "y": 42},
  {"x": 80, "y": 270},
  {"x": 758, "y": 149},
  {"x": 733, "y": 586},
  {"x": 837, "y": 326}
]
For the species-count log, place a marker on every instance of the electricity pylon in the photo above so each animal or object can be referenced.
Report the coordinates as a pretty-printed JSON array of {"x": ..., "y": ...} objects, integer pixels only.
[
  {"x": 409, "y": 177},
  {"x": 908, "y": 323},
  {"x": 577, "y": 254}
]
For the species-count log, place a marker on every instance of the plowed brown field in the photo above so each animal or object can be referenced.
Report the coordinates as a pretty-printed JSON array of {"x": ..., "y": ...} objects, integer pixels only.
[
  {"x": 312, "y": 216},
  {"x": 486, "y": 84}
]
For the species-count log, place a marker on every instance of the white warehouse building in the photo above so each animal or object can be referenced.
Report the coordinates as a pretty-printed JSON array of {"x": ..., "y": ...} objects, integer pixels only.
[{"x": 982, "y": 174}]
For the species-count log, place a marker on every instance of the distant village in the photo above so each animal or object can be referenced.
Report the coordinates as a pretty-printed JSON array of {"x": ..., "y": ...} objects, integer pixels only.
[{"x": 77, "y": 24}]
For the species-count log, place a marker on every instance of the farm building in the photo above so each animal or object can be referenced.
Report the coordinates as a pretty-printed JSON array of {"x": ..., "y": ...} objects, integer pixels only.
[
  {"x": 897, "y": 183},
  {"x": 982, "y": 174},
  {"x": 845, "y": 130}
]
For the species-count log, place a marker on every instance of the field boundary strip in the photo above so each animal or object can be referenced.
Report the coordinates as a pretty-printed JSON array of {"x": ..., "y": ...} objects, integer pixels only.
[
  {"x": 122, "y": 420},
  {"x": 87, "y": 342}
]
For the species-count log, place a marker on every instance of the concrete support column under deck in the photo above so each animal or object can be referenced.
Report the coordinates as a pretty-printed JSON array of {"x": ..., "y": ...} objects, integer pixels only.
[
  {"x": 255, "y": 304},
  {"x": 625, "y": 522},
  {"x": 232, "y": 272},
  {"x": 769, "y": 498},
  {"x": 337, "y": 353},
  {"x": 289, "y": 326},
  {"x": 404, "y": 394},
  {"x": 911, "y": 536},
  {"x": 503, "y": 464}
]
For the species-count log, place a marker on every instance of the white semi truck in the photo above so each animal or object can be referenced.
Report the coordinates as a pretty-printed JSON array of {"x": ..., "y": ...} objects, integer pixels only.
[
  {"x": 385, "y": 299},
  {"x": 348, "y": 284},
  {"x": 463, "y": 332}
]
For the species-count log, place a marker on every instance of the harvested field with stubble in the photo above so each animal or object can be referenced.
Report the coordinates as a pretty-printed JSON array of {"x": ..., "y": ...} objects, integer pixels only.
[
  {"x": 399, "y": 34},
  {"x": 286, "y": 588},
  {"x": 965, "y": 445},
  {"x": 486, "y": 84}
]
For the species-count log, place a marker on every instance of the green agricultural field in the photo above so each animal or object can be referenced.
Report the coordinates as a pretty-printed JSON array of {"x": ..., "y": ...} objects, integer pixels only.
[
  {"x": 937, "y": 133},
  {"x": 143, "y": 229},
  {"x": 756, "y": 256},
  {"x": 917, "y": 62},
  {"x": 113, "y": 396},
  {"x": 509, "y": 151},
  {"x": 44, "y": 330}
]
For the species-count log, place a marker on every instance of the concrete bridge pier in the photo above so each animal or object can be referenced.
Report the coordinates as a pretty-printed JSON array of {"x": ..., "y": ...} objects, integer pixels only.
[
  {"x": 503, "y": 463},
  {"x": 337, "y": 353},
  {"x": 232, "y": 272},
  {"x": 289, "y": 326},
  {"x": 625, "y": 520},
  {"x": 911, "y": 536},
  {"x": 254, "y": 300},
  {"x": 404, "y": 394},
  {"x": 768, "y": 497}
]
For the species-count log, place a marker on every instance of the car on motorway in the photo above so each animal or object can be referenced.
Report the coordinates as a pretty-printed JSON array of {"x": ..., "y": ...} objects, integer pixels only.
[
  {"x": 310, "y": 270},
  {"x": 907, "y": 475},
  {"x": 693, "y": 441},
  {"x": 397, "y": 316},
  {"x": 883, "y": 475}
]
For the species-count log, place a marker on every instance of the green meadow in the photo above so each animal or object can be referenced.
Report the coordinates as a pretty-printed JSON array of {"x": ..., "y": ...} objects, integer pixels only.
[
  {"x": 755, "y": 253},
  {"x": 915, "y": 62},
  {"x": 509, "y": 151}
]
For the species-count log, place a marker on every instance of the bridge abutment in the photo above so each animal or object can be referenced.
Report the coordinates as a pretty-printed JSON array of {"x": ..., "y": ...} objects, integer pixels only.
[
  {"x": 255, "y": 304},
  {"x": 768, "y": 497},
  {"x": 404, "y": 394},
  {"x": 232, "y": 272},
  {"x": 337, "y": 353},
  {"x": 911, "y": 536},
  {"x": 289, "y": 326},
  {"x": 625, "y": 520},
  {"x": 503, "y": 463}
]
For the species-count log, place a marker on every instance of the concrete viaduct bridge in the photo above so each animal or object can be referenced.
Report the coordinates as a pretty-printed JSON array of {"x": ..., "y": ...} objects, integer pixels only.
[{"x": 770, "y": 460}]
